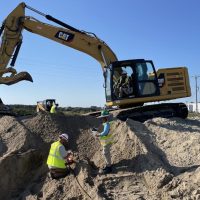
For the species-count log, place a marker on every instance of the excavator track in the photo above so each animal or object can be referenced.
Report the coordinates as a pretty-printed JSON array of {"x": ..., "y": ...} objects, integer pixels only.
[
  {"x": 165, "y": 110},
  {"x": 143, "y": 113}
]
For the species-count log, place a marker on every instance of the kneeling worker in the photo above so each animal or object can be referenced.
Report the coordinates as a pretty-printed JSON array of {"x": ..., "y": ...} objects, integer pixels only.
[{"x": 59, "y": 159}]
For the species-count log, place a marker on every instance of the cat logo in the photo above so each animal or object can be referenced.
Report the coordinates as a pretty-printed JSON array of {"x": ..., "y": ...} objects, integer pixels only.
[{"x": 68, "y": 37}]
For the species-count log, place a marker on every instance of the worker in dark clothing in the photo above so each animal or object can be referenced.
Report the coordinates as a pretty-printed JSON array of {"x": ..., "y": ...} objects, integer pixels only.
[{"x": 123, "y": 86}]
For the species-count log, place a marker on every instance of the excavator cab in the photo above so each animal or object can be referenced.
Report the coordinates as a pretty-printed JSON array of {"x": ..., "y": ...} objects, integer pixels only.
[
  {"x": 131, "y": 79},
  {"x": 131, "y": 83}
]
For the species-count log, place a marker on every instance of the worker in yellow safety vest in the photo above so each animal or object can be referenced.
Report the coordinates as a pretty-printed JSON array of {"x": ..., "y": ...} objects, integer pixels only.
[
  {"x": 53, "y": 108},
  {"x": 59, "y": 158},
  {"x": 106, "y": 140}
]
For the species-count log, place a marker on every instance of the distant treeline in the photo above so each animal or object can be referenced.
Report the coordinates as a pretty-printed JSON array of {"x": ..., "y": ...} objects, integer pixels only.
[
  {"x": 22, "y": 110},
  {"x": 79, "y": 110}
]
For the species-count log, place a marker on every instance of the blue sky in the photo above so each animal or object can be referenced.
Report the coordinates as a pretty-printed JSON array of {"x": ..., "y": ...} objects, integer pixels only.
[{"x": 167, "y": 32}]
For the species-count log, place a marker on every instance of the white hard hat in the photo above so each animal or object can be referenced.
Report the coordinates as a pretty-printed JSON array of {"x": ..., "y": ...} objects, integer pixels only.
[{"x": 64, "y": 136}]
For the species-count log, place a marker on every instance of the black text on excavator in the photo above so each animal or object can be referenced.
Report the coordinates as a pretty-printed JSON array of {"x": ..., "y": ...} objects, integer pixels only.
[{"x": 128, "y": 83}]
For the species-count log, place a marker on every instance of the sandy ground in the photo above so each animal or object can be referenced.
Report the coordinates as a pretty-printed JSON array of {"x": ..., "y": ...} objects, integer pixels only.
[{"x": 157, "y": 159}]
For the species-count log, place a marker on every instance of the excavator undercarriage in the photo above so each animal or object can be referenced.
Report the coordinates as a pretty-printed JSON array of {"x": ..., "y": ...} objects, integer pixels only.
[
  {"x": 143, "y": 113},
  {"x": 165, "y": 110}
]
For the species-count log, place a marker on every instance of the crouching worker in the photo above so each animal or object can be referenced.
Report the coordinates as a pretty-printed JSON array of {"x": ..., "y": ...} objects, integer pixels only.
[
  {"x": 106, "y": 140},
  {"x": 59, "y": 159}
]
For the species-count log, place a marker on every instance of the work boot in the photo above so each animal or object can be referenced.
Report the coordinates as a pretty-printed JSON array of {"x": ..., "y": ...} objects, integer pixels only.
[{"x": 107, "y": 170}]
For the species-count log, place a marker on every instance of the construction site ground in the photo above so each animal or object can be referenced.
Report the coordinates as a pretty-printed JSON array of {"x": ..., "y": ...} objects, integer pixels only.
[{"x": 157, "y": 159}]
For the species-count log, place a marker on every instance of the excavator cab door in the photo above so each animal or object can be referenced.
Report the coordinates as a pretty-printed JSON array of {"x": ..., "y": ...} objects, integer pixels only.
[
  {"x": 147, "y": 82},
  {"x": 108, "y": 82}
]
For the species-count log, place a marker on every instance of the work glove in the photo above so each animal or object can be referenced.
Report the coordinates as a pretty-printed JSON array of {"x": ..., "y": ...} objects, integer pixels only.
[{"x": 70, "y": 159}]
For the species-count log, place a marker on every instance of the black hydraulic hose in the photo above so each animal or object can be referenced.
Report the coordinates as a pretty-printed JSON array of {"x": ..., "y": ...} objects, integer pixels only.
[
  {"x": 16, "y": 54},
  {"x": 1, "y": 29},
  {"x": 49, "y": 17}
]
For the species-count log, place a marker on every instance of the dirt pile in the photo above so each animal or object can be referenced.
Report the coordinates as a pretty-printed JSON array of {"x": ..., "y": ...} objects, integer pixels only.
[{"x": 158, "y": 159}]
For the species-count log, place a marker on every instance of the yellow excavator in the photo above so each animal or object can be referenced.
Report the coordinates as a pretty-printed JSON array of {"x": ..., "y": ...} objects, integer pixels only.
[{"x": 128, "y": 83}]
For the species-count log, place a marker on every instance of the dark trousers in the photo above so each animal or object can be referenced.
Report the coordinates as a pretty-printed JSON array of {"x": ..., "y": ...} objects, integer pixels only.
[{"x": 59, "y": 173}]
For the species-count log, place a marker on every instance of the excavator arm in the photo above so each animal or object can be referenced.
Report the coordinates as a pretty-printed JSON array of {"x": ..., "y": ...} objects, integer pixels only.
[{"x": 16, "y": 22}]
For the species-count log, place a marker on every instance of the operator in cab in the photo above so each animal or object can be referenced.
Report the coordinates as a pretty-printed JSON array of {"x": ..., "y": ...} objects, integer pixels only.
[{"x": 124, "y": 86}]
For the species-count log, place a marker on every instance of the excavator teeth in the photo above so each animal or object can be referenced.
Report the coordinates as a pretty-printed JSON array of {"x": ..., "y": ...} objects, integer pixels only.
[
  {"x": 26, "y": 76},
  {"x": 16, "y": 78}
]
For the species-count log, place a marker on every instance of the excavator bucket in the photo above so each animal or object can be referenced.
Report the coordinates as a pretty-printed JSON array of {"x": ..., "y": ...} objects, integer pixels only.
[{"x": 16, "y": 78}]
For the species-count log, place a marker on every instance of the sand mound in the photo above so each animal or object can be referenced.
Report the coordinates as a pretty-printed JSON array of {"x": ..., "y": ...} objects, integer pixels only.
[{"x": 158, "y": 159}]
